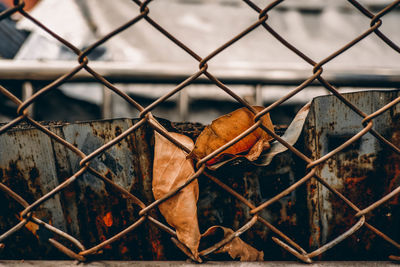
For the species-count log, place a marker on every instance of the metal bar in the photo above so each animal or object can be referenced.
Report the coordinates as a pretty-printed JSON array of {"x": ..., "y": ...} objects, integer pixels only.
[
  {"x": 258, "y": 95},
  {"x": 183, "y": 105},
  {"x": 27, "y": 92},
  {"x": 124, "y": 72},
  {"x": 107, "y": 105}
]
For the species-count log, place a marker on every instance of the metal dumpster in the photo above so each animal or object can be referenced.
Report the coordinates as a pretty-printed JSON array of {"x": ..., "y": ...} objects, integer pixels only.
[{"x": 90, "y": 210}]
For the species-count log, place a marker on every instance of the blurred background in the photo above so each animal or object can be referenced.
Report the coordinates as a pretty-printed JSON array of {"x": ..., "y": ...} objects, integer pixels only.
[{"x": 146, "y": 64}]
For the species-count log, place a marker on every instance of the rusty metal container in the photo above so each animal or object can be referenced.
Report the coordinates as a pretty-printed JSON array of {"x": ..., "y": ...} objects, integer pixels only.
[{"x": 32, "y": 164}]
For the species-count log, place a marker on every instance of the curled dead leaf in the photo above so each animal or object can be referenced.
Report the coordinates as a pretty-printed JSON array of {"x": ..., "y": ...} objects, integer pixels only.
[
  {"x": 171, "y": 168},
  {"x": 236, "y": 248},
  {"x": 225, "y": 128},
  {"x": 290, "y": 136}
]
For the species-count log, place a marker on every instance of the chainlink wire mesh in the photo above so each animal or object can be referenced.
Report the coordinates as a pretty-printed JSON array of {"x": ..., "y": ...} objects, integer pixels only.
[{"x": 81, "y": 253}]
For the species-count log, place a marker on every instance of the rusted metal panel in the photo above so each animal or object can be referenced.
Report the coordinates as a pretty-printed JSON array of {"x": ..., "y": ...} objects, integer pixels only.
[
  {"x": 22, "y": 161},
  {"x": 32, "y": 164},
  {"x": 363, "y": 172},
  {"x": 92, "y": 211}
]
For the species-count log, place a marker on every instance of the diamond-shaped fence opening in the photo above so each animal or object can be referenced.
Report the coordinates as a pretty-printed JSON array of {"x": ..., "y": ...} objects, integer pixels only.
[{"x": 336, "y": 191}]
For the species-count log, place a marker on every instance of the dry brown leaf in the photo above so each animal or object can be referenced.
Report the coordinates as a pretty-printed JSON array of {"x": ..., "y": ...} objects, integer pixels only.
[
  {"x": 236, "y": 248},
  {"x": 225, "y": 128},
  {"x": 171, "y": 168}
]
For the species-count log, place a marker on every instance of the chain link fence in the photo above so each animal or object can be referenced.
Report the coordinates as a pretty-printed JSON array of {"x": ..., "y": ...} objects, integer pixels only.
[{"x": 80, "y": 253}]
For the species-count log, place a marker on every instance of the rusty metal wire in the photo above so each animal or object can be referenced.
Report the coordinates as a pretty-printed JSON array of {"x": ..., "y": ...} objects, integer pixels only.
[{"x": 316, "y": 74}]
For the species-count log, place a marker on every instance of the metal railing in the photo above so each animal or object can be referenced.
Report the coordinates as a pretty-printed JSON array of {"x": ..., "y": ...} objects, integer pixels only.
[
  {"x": 316, "y": 75},
  {"x": 26, "y": 74}
]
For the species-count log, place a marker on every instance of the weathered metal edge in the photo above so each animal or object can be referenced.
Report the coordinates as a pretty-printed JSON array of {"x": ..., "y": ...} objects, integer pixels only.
[{"x": 183, "y": 263}]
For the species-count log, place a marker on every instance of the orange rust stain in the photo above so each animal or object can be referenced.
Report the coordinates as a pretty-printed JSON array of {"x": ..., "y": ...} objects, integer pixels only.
[
  {"x": 124, "y": 250},
  {"x": 394, "y": 183},
  {"x": 314, "y": 240},
  {"x": 32, "y": 227},
  {"x": 69, "y": 194},
  {"x": 69, "y": 219},
  {"x": 352, "y": 182},
  {"x": 156, "y": 244},
  {"x": 108, "y": 220}
]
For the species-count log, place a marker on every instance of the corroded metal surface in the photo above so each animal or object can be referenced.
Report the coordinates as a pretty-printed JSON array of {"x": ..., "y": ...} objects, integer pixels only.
[
  {"x": 89, "y": 209},
  {"x": 92, "y": 211},
  {"x": 364, "y": 172}
]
